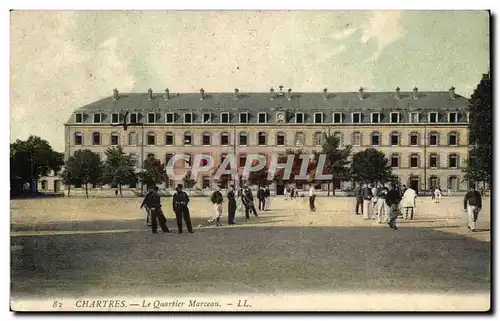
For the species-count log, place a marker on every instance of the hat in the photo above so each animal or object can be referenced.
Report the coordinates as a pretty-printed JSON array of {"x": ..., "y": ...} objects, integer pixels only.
[{"x": 179, "y": 186}]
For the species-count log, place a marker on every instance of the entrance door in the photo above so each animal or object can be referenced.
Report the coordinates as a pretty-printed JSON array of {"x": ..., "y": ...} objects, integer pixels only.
[
  {"x": 415, "y": 183},
  {"x": 57, "y": 186}
]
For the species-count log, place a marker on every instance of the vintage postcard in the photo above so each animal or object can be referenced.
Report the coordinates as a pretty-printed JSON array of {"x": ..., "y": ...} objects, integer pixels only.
[{"x": 250, "y": 161}]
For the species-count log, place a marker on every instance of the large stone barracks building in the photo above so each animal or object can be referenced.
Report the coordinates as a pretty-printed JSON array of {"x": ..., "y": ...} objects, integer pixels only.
[{"x": 423, "y": 134}]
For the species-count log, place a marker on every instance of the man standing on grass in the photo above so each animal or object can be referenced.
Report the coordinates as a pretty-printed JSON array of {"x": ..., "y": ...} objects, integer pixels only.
[
  {"x": 180, "y": 202},
  {"x": 382, "y": 207},
  {"x": 408, "y": 202},
  {"x": 367, "y": 197},
  {"x": 231, "y": 207},
  {"x": 472, "y": 204},
  {"x": 217, "y": 200},
  {"x": 153, "y": 202},
  {"x": 312, "y": 198},
  {"x": 359, "y": 199}
]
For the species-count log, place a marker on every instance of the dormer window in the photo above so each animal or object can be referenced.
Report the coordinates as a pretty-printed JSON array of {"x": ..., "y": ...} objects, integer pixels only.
[
  {"x": 115, "y": 119},
  {"x": 97, "y": 118},
  {"x": 133, "y": 118},
  {"x": 224, "y": 118},
  {"x": 188, "y": 118},
  {"x": 395, "y": 117},
  {"x": 299, "y": 118},
  {"x": 318, "y": 118},
  {"x": 262, "y": 118},
  {"x": 375, "y": 118},
  {"x": 414, "y": 118},
  {"x": 207, "y": 118},
  {"x": 453, "y": 117},
  {"x": 433, "y": 117},
  {"x": 244, "y": 118},
  {"x": 337, "y": 118},
  {"x": 151, "y": 118},
  {"x": 169, "y": 118},
  {"x": 79, "y": 118},
  {"x": 356, "y": 118}
]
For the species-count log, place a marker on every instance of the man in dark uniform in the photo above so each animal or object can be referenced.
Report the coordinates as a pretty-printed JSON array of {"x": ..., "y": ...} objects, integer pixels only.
[
  {"x": 231, "y": 207},
  {"x": 153, "y": 202},
  {"x": 359, "y": 199},
  {"x": 473, "y": 204},
  {"x": 392, "y": 199},
  {"x": 180, "y": 202},
  {"x": 261, "y": 196},
  {"x": 267, "y": 195},
  {"x": 148, "y": 210},
  {"x": 247, "y": 199}
]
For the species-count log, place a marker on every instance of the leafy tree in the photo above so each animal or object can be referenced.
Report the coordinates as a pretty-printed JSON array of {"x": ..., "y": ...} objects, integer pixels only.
[
  {"x": 371, "y": 165},
  {"x": 85, "y": 167},
  {"x": 259, "y": 177},
  {"x": 31, "y": 159},
  {"x": 153, "y": 172},
  {"x": 480, "y": 160},
  {"x": 68, "y": 179},
  {"x": 337, "y": 159},
  {"x": 188, "y": 181},
  {"x": 119, "y": 168}
]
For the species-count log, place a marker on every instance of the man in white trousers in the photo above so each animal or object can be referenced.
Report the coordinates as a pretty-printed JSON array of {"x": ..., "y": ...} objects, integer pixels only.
[
  {"x": 472, "y": 204},
  {"x": 374, "y": 201},
  {"x": 382, "y": 207},
  {"x": 367, "y": 201},
  {"x": 217, "y": 200}
]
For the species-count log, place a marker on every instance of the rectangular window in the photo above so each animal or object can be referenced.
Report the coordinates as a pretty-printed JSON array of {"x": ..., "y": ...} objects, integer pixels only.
[
  {"x": 78, "y": 139},
  {"x": 356, "y": 139},
  {"x": 169, "y": 118},
  {"x": 299, "y": 118},
  {"x": 299, "y": 139},
  {"x": 114, "y": 139},
  {"x": 132, "y": 138},
  {"x": 280, "y": 139},
  {"x": 318, "y": 118},
  {"x": 433, "y": 139},
  {"x": 115, "y": 118},
  {"x": 356, "y": 118},
  {"x": 453, "y": 161},
  {"x": 262, "y": 118},
  {"x": 169, "y": 139},
  {"x": 433, "y": 117},
  {"x": 224, "y": 139},
  {"x": 133, "y": 118},
  {"x": 261, "y": 139},
  {"x": 433, "y": 161},
  {"x": 394, "y": 139},
  {"x": 79, "y": 118},
  {"x": 394, "y": 117},
  {"x": 243, "y": 160},
  {"x": 414, "y": 140},
  {"x": 414, "y": 118},
  {"x": 414, "y": 161},
  {"x": 151, "y": 139},
  {"x": 97, "y": 118},
  {"x": 395, "y": 161},
  {"x": 224, "y": 118},
  {"x": 96, "y": 139},
  {"x": 206, "y": 139},
  {"x": 151, "y": 118},
  {"x": 188, "y": 118},
  {"x": 452, "y": 140},
  {"x": 375, "y": 139},
  {"x": 318, "y": 139},
  {"x": 339, "y": 137},
  {"x": 375, "y": 118},
  {"x": 243, "y": 118},
  {"x": 243, "y": 139},
  {"x": 452, "y": 117},
  {"x": 188, "y": 139},
  {"x": 337, "y": 118},
  {"x": 207, "y": 118}
]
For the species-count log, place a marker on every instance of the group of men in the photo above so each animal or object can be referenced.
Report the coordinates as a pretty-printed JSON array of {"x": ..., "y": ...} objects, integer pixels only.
[{"x": 385, "y": 203}]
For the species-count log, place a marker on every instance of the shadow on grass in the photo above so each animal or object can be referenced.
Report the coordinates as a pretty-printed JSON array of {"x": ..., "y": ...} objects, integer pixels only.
[{"x": 244, "y": 258}]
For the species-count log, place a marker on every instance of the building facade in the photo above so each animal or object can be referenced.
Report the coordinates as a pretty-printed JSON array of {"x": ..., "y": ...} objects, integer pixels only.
[{"x": 423, "y": 134}]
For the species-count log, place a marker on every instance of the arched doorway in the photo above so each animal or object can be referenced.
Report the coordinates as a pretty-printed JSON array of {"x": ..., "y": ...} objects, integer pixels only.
[
  {"x": 45, "y": 185},
  {"x": 57, "y": 186},
  {"x": 414, "y": 183}
]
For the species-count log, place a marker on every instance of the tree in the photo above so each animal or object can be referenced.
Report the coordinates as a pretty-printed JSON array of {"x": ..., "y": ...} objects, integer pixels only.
[
  {"x": 479, "y": 163},
  {"x": 337, "y": 159},
  {"x": 84, "y": 167},
  {"x": 119, "y": 168},
  {"x": 31, "y": 159},
  {"x": 259, "y": 177},
  {"x": 371, "y": 166},
  {"x": 153, "y": 172}
]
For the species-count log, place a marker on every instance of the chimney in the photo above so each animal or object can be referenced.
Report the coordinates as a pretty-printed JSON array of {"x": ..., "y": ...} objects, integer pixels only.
[
  {"x": 452, "y": 92},
  {"x": 166, "y": 95},
  {"x": 325, "y": 94},
  {"x": 415, "y": 93},
  {"x": 397, "y": 93},
  {"x": 236, "y": 93},
  {"x": 115, "y": 94},
  {"x": 289, "y": 95},
  {"x": 271, "y": 93},
  {"x": 361, "y": 93},
  {"x": 202, "y": 92},
  {"x": 150, "y": 94}
]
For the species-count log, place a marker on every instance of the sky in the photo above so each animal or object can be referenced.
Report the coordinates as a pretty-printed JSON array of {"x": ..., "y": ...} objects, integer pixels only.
[{"x": 62, "y": 60}]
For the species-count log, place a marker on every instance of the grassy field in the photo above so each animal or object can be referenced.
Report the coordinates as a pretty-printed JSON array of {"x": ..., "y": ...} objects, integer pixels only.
[{"x": 101, "y": 247}]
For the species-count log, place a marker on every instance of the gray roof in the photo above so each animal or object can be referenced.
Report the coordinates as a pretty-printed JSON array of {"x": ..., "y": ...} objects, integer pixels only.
[{"x": 309, "y": 103}]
